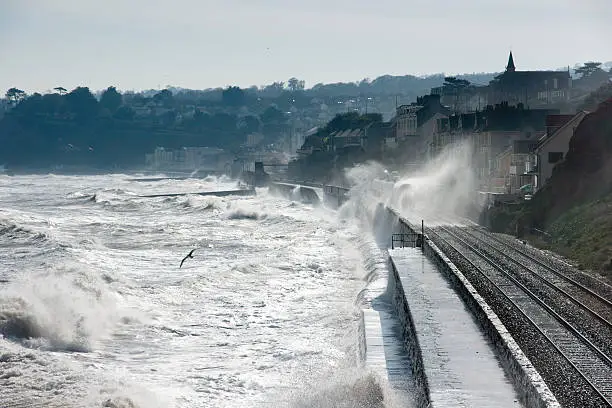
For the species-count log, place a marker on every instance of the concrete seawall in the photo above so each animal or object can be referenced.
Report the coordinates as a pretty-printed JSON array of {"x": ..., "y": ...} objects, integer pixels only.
[
  {"x": 334, "y": 196},
  {"x": 244, "y": 192},
  {"x": 411, "y": 343},
  {"x": 331, "y": 196},
  {"x": 384, "y": 291},
  {"x": 303, "y": 194},
  {"x": 527, "y": 381},
  {"x": 388, "y": 222},
  {"x": 380, "y": 345}
]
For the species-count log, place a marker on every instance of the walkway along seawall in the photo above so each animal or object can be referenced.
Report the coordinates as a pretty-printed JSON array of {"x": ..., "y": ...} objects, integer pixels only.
[{"x": 532, "y": 389}]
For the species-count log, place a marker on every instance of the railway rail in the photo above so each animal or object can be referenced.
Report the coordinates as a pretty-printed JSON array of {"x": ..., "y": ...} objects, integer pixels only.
[
  {"x": 592, "y": 364},
  {"x": 595, "y": 287},
  {"x": 568, "y": 295}
]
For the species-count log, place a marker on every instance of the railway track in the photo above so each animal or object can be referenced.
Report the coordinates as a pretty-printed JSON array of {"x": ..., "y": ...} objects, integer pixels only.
[
  {"x": 595, "y": 287},
  {"x": 585, "y": 309},
  {"x": 592, "y": 364}
]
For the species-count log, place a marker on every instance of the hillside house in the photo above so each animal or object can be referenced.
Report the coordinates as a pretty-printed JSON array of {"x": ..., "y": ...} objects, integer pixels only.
[
  {"x": 490, "y": 133},
  {"x": 534, "y": 89},
  {"x": 553, "y": 148},
  {"x": 531, "y": 88},
  {"x": 415, "y": 125}
]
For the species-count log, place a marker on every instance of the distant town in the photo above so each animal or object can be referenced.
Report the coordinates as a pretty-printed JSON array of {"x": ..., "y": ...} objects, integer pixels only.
[
  {"x": 519, "y": 126},
  {"x": 519, "y": 123}
]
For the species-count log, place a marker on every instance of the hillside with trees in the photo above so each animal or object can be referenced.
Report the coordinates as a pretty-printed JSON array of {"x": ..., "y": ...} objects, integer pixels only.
[{"x": 76, "y": 129}]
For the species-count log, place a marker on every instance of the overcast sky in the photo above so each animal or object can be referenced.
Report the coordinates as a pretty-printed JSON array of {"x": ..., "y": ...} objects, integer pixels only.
[{"x": 142, "y": 44}]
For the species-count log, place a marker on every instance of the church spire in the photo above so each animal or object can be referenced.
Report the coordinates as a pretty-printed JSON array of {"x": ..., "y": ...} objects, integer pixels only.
[{"x": 510, "y": 67}]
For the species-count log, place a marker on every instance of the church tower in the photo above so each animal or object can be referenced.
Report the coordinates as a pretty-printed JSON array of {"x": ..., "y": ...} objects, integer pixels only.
[{"x": 510, "y": 67}]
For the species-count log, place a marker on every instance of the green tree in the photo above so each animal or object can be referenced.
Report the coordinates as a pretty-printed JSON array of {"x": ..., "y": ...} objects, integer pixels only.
[
  {"x": 111, "y": 99},
  {"x": 351, "y": 120},
  {"x": 273, "y": 115},
  {"x": 140, "y": 100},
  {"x": 589, "y": 68},
  {"x": 455, "y": 83},
  {"x": 295, "y": 84},
  {"x": 342, "y": 121},
  {"x": 164, "y": 98},
  {"x": 223, "y": 121},
  {"x": 124, "y": 113},
  {"x": 169, "y": 118},
  {"x": 82, "y": 103},
  {"x": 249, "y": 124},
  {"x": 15, "y": 95},
  {"x": 276, "y": 86},
  {"x": 31, "y": 106},
  {"x": 53, "y": 103},
  {"x": 233, "y": 96}
]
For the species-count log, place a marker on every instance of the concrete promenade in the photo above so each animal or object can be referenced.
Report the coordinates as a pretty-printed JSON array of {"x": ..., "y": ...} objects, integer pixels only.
[{"x": 459, "y": 363}]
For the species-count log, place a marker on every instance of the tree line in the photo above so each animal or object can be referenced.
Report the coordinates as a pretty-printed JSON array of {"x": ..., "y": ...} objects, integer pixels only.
[{"x": 76, "y": 128}]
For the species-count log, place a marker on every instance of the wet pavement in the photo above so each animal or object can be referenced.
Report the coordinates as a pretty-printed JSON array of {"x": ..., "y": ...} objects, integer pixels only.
[{"x": 460, "y": 363}]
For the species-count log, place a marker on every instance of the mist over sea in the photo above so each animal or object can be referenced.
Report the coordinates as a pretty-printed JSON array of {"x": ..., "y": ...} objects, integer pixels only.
[{"x": 95, "y": 312}]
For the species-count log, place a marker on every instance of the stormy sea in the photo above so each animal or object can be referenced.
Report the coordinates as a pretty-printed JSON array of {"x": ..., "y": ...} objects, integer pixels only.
[{"x": 95, "y": 311}]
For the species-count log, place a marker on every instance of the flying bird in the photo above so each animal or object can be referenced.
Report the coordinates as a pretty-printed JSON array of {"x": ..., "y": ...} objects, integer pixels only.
[{"x": 189, "y": 255}]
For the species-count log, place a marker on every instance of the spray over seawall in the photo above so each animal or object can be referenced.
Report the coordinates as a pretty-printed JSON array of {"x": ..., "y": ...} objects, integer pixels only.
[{"x": 441, "y": 189}]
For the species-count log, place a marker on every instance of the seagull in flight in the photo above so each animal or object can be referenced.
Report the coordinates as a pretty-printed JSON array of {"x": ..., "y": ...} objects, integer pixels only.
[{"x": 189, "y": 255}]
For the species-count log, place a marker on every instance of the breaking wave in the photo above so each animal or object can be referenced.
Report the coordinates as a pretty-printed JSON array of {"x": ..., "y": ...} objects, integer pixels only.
[
  {"x": 11, "y": 231},
  {"x": 65, "y": 310},
  {"x": 196, "y": 203},
  {"x": 441, "y": 186},
  {"x": 245, "y": 211},
  {"x": 242, "y": 214}
]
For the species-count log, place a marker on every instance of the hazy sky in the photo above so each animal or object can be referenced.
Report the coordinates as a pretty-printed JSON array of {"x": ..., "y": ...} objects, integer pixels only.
[{"x": 141, "y": 44}]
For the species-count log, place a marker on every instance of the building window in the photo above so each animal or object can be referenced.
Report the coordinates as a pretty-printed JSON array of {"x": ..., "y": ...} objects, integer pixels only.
[
  {"x": 555, "y": 157},
  {"x": 555, "y": 83},
  {"x": 557, "y": 94}
]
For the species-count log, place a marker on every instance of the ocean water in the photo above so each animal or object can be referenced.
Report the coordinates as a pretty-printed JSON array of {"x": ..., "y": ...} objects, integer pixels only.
[{"x": 95, "y": 311}]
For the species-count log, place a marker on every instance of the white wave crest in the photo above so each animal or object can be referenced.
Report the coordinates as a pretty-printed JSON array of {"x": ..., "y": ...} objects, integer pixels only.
[{"x": 64, "y": 310}]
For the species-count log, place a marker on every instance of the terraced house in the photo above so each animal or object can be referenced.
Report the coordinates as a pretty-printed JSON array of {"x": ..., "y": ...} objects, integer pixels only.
[{"x": 494, "y": 131}]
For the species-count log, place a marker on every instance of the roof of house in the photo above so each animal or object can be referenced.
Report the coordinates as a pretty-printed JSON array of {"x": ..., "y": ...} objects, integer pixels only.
[
  {"x": 574, "y": 121},
  {"x": 557, "y": 121},
  {"x": 347, "y": 133}
]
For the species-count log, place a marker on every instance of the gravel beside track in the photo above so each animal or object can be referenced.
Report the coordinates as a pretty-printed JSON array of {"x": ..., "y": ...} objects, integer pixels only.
[{"x": 558, "y": 262}]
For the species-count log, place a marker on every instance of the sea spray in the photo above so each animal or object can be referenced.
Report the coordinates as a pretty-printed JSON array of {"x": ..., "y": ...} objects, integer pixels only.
[
  {"x": 65, "y": 309},
  {"x": 442, "y": 187}
]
